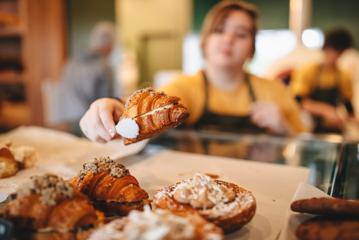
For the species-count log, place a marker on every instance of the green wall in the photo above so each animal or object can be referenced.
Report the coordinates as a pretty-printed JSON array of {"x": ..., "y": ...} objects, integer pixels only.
[
  {"x": 82, "y": 15},
  {"x": 200, "y": 9},
  {"x": 272, "y": 14},
  {"x": 333, "y": 13},
  {"x": 275, "y": 14}
]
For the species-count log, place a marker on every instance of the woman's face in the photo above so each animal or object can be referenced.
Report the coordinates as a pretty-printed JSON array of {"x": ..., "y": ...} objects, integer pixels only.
[{"x": 231, "y": 43}]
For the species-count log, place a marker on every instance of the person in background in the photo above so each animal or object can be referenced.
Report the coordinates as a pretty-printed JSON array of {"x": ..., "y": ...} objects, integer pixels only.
[
  {"x": 321, "y": 87},
  {"x": 223, "y": 94},
  {"x": 87, "y": 77}
]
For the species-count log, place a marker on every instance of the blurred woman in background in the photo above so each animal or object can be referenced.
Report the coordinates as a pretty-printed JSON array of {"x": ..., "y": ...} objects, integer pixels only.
[
  {"x": 322, "y": 87},
  {"x": 222, "y": 95}
]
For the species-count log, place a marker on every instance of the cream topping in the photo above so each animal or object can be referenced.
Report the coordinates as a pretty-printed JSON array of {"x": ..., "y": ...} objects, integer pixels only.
[
  {"x": 128, "y": 128},
  {"x": 149, "y": 225},
  {"x": 202, "y": 192},
  {"x": 156, "y": 110}
]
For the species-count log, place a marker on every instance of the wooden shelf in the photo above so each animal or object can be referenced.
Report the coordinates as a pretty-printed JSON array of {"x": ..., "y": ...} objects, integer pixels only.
[
  {"x": 32, "y": 49},
  {"x": 11, "y": 31},
  {"x": 11, "y": 77},
  {"x": 14, "y": 114}
]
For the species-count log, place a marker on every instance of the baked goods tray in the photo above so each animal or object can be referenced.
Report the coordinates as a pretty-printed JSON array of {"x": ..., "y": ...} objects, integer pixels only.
[
  {"x": 272, "y": 185},
  {"x": 59, "y": 153}
]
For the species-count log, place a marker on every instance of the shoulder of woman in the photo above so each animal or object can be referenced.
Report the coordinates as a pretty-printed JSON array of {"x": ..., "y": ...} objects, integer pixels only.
[
  {"x": 183, "y": 80},
  {"x": 266, "y": 82}
]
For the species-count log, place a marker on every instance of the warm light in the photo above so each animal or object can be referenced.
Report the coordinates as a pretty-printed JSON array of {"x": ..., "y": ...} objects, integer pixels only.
[{"x": 312, "y": 38}]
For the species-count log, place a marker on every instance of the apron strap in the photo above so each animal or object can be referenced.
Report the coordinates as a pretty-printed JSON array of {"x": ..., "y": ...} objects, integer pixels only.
[{"x": 247, "y": 81}]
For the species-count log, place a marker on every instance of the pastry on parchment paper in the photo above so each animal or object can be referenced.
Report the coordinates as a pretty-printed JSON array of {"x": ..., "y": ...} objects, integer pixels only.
[
  {"x": 222, "y": 203},
  {"x": 159, "y": 224},
  {"x": 111, "y": 187},
  {"x": 329, "y": 228},
  {"x": 14, "y": 158},
  {"x": 327, "y": 206},
  {"x": 49, "y": 203}
]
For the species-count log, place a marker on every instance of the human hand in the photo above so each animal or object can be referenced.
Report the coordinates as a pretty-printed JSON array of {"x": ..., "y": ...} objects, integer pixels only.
[
  {"x": 98, "y": 123},
  {"x": 268, "y": 115}
]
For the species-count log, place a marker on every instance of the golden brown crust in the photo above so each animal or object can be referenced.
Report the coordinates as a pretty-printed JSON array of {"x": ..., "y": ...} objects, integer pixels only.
[
  {"x": 325, "y": 228},
  {"x": 8, "y": 165},
  {"x": 229, "y": 220},
  {"x": 146, "y": 100},
  {"x": 112, "y": 208},
  {"x": 28, "y": 212},
  {"x": 327, "y": 206},
  {"x": 112, "y": 195}
]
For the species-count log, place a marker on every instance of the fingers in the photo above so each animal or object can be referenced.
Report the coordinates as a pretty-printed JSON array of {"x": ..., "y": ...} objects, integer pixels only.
[
  {"x": 107, "y": 121},
  {"x": 93, "y": 129},
  {"x": 259, "y": 118},
  {"x": 98, "y": 123},
  {"x": 265, "y": 115}
]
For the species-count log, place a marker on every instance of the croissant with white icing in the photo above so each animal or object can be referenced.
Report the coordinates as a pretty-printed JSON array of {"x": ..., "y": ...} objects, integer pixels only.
[
  {"x": 49, "y": 203},
  {"x": 224, "y": 204},
  {"x": 110, "y": 186},
  {"x": 147, "y": 113}
]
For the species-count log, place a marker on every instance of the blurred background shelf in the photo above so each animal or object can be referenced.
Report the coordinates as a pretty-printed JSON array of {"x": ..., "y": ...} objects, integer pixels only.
[
  {"x": 15, "y": 31},
  {"x": 32, "y": 50}
]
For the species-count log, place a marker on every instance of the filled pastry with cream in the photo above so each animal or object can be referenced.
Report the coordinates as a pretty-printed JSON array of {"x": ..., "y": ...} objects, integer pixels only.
[
  {"x": 147, "y": 113},
  {"x": 158, "y": 225},
  {"x": 110, "y": 186},
  {"x": 224, "y": 204}
]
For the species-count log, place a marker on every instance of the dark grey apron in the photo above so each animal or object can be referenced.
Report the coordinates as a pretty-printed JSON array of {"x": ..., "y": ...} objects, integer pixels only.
[{"x": 238, "y": 124}]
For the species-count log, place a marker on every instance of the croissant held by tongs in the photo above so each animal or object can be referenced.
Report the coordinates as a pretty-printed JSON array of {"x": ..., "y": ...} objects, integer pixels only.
[{"x": 147, "y": 113}]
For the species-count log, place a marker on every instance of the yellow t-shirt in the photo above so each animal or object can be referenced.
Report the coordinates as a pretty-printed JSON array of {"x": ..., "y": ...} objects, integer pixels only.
[
  {"x": 237, "y": 102},
  {"x": 310, "y": 76}
]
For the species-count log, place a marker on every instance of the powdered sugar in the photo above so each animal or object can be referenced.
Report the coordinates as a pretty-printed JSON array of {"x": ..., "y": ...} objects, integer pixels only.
[
  {"x": 156, "y": 225},
  {"x": 220, "y": 200},
  {"x": 201, "y": 191}
]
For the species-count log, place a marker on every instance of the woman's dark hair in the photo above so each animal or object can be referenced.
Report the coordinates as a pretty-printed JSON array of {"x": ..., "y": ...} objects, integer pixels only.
[{"x": 338, "y": 39}]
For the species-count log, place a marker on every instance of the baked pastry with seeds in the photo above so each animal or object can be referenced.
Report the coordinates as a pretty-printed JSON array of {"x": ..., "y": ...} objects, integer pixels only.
[
  {"x": 329, "y": 228},
  {"x": 111, "y": 187},
  {"x": 224, "y": 204},
  {"x": 49, "y": 203},
  {"x": 327, "y": 206}
]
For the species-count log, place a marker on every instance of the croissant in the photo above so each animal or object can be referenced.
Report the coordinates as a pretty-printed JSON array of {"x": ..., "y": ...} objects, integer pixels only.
[
  {"x": 148, "y": 113},
  {"x": 110, "y": 186},
  {"x": 157, "y": 225},
  {"x": 224, "y": 204},
  {"x": 15, "y": 158},
  {"x": 50, "y": 203},
  {"x": 8, "y": 165}
]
